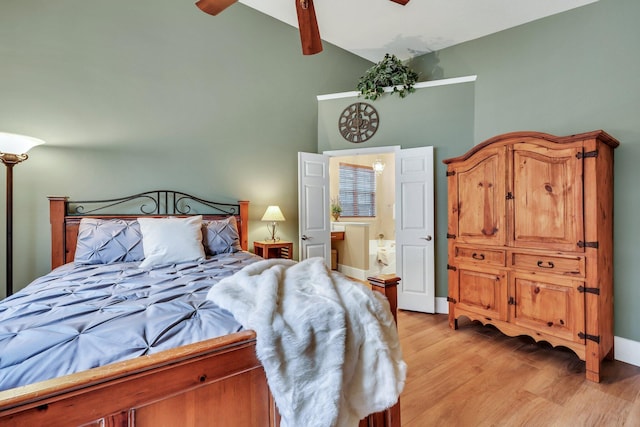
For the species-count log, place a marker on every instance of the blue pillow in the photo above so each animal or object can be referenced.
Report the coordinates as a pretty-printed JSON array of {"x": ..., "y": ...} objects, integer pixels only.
[
  {"x": 221, "y": 236},
  {"x": 105, "y": 241}
]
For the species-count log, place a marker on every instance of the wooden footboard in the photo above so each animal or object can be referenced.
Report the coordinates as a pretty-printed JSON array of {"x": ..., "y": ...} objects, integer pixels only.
[{"x": 214, "y": 382}]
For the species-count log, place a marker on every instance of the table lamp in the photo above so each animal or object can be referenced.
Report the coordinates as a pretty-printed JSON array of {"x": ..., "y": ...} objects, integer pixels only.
[{"x": 273, "y": 214}]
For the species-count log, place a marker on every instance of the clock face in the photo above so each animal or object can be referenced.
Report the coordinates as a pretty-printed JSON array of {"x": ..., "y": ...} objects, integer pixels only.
[{"x": 358, "y": 122}]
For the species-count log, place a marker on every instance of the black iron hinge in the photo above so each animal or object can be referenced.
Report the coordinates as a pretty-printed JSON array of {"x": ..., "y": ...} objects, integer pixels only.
[
  {"x": 451, "y": 267},
  {"x": 583, "y": 289},
  {"x": 451, "y": 236},
  {"x": 582, "y": 155},
  {"x": 595, "y": 338},
  {"x": 449, "y": 299},
  {"x": 582, "y": 244},
  {"x": 452, "y": 173},
  {"x": 509, "y": 196}
]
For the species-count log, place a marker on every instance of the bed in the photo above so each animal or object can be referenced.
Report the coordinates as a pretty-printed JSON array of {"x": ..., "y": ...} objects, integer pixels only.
[{"x": 172, "y": 376}]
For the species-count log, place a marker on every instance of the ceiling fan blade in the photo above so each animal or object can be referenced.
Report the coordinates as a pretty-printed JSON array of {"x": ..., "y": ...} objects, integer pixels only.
[
  {"x": 214, "y": 7},
  {"x": 402, "y": 2},
  {"x": 309, "y": 31}
]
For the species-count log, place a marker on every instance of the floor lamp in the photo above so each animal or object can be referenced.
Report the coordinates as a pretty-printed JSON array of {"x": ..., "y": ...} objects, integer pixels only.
[{"x": 10, "y": 144}]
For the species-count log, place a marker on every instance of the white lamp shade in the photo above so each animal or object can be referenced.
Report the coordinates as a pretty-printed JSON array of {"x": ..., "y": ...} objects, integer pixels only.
[
  {"x": 273, "y": 213},
  {"x": 17, "y": 144}
]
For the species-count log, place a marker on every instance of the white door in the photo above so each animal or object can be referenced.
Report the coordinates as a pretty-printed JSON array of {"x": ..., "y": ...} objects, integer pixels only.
[
  {"x": 313, "y": 206},
  {"x": 415, "y": 229}
]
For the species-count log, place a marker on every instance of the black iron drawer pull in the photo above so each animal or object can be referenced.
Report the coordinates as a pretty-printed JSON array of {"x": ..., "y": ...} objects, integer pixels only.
[
  {"x": 542, "y": 265},
  {"x": 478, "y": 257}
]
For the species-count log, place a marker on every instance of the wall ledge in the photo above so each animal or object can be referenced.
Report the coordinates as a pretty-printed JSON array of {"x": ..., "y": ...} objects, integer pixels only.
[{"x": 419, "y": 85}]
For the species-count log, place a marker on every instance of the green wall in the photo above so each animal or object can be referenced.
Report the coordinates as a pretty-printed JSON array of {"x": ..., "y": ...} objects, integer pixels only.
[
  {"x": 565, "y": 74},
  {"x": 139, "y": 95},
  {"x": 440, "y": 116}
]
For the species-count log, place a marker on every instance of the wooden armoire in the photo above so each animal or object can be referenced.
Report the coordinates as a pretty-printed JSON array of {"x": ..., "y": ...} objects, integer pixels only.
[{"x": 530, "y": 239}]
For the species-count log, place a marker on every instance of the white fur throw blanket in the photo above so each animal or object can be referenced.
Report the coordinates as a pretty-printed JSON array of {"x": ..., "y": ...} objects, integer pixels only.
[{"x": 329, "y": 346}]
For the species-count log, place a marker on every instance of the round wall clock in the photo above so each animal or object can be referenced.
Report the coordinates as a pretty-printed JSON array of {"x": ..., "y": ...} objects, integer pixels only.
[{"x": 358, "y": 122}]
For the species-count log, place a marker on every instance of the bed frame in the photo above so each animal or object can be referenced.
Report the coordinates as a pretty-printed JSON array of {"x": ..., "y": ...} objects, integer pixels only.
[{"x": 214, "y": 382}]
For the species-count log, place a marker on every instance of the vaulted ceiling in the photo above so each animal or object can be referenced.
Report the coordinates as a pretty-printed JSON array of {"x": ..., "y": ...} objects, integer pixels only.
[{"x": 371, "y": 28}]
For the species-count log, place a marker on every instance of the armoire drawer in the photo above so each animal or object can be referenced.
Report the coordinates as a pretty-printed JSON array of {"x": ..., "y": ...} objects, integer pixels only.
[
  {"x": 565, "y": 265},
  {"x": 480, "y": 255}
]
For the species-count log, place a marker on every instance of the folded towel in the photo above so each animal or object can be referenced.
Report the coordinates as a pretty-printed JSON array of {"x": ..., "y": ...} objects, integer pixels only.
[{"x": 383, "y": 256}]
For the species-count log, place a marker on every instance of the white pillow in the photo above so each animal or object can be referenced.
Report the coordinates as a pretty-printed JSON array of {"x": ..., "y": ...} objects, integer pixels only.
[{"x": 171, "y": 240}]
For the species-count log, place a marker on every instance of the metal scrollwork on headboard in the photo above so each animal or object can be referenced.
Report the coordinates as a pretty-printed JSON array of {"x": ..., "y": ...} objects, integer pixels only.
[{"x": 157, "y": 202}]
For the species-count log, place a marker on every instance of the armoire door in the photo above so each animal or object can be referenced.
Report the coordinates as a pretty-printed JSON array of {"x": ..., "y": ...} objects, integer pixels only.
[
  {"x": 482, "y": 291},
  {"x": 549, "y": 305},
  {"x": 547, "y": 197},
  {"x": 480, "y": 187}
]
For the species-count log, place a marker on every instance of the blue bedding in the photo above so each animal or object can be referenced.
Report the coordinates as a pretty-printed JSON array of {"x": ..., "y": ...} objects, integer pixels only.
[{"x": 80, "y": 317}]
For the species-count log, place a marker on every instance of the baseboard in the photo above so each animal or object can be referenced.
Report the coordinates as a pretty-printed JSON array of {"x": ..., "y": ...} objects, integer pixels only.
[
  {"x": 442, "y": 306},
  {"x": 355, "y": 273},
  {"x": 625, "y": 350}
]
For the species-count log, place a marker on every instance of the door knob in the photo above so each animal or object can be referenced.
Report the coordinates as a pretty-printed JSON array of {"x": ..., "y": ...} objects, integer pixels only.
[
  {"x": 428, "y": 238},
  {"x": 305, "y": 237}
]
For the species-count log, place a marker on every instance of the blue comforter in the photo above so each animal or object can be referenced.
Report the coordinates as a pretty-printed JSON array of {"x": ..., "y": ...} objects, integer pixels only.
[{"x": 80, "y": 317}]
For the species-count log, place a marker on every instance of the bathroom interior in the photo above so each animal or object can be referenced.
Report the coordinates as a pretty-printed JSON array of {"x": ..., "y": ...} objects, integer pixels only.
[{"x": 365, "y": 246}]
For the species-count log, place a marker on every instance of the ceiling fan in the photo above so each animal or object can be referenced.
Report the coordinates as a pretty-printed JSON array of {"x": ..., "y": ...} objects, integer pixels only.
[{"x": 307, "y": 22}]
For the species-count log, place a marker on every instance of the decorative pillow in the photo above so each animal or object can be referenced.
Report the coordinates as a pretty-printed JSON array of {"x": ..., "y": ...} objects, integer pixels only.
[
  {"x": 221, "y": 236},
  {"x": 102, "y": 241},
  {"x": 171, "y": 240}
]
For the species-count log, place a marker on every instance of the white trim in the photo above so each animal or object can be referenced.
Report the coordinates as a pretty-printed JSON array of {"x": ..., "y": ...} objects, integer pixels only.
[
  {"x": 626, "y": 350},
  {"x": 419, "y": 85},
  {"x": 442, "y": 305},
  {"x": 355, "y": 273},
  {"x": 362, "y": 151}
]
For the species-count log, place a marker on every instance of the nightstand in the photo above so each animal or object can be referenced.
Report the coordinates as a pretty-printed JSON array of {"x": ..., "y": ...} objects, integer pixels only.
[{"x": 270, "y": 249}]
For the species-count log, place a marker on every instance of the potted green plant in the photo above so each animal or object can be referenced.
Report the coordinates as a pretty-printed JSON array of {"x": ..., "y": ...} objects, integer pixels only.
[
  {"x": 390, "y": 72},
  {"x": 336, "y": 208}
]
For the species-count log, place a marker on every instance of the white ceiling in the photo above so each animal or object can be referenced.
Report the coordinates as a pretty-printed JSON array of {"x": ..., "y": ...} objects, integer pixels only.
[{"x": 371, "y": 28}]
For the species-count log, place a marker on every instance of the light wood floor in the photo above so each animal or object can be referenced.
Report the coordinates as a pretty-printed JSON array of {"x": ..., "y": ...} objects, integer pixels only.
[{"x": 476, "y": 376}]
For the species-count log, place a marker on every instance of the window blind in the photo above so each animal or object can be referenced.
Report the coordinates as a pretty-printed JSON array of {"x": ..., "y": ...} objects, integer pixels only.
[{"x": 357, "y": 192}]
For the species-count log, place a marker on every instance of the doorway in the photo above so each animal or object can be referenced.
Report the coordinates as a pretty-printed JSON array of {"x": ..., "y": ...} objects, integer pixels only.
[
  {"x": 369, "y": 247},
  {"x": 413, "y": 217}
]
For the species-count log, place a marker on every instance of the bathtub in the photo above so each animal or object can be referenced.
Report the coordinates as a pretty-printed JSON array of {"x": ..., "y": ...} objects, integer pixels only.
[{"x": 382, "y": 257}]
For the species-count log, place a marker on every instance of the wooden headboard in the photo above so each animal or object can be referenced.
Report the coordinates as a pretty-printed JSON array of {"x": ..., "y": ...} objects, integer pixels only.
[{"x": 65, "y": 215}]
